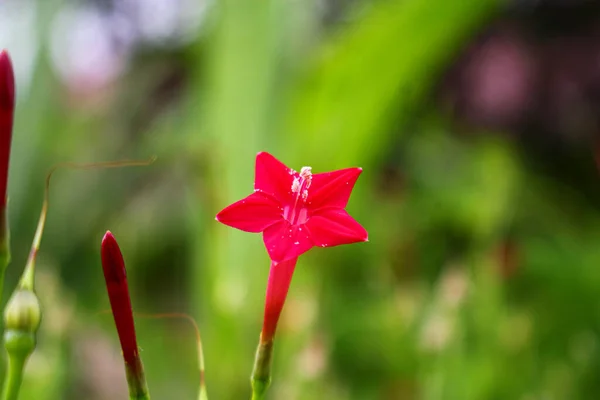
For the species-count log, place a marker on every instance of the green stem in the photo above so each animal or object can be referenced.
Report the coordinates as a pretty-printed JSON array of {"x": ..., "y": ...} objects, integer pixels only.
[
  {"x": 4, "y": 247},
  {"x": 19, "y": 346},
  {"x": 14, "y": 377},
  {"x": 261, "y": 373},
  {"x": 257, "y": 396},
  {"x": 203, "y": 395},
  {"x": 27, "y": 279},
  {"x": 136, "y": 380},
  {"x": 4, "y": 260}
]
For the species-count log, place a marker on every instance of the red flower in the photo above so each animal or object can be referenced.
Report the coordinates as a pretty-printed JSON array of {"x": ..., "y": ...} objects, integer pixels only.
[
  {"x": 7, "y": 108},
  {"x": 296, "y": 210},
  {"x": 120, "y": 303}
]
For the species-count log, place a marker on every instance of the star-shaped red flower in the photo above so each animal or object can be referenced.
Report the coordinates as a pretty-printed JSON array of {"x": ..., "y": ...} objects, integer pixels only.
[{"x": 296, "y": 210}]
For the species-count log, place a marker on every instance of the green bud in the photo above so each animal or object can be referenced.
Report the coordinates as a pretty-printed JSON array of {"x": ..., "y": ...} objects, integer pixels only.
[
  {"x": 261, "y": 373},
  {"x": 22, "y": 312},
  {"x": 19, "y": 344}
]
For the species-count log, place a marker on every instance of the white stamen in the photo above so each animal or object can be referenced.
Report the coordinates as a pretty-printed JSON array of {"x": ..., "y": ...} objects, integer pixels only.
[
  {"x": 305, "y": 172},
  {"x": 302, "y": 182},
  {"x": 296, "y": 185},
  {"x": 296, "y": 213}
]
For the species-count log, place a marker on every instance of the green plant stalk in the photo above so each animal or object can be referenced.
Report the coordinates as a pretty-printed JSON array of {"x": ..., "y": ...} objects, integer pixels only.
[
  {"x": 136, "y": 380},
  {"x": 4, "y": 247},
  {"x": 22, "y": 313},
  {"x": 19, "y": 346},
  {"x": 14, "y": 377},
  {"x": 203, "y": 395},
  {"x": 261, "y": 373},
  {"x": 22, "y": 318},
  {"x": 239, "y": 80}
]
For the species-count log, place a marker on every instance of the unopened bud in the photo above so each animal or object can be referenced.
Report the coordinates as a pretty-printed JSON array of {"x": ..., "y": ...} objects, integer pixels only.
[
  {"x": 7, "y": 108},
  {"x": 261, "y": 373},
  {"x": 22, "y": 312}
]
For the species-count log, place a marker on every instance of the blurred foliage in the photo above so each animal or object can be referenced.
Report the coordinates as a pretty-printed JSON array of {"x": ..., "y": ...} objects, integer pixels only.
[{"x": 480, "y": 280}]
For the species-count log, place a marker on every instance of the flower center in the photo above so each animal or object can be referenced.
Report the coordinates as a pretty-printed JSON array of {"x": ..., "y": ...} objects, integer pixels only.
[{"x": 296, "y": 213}]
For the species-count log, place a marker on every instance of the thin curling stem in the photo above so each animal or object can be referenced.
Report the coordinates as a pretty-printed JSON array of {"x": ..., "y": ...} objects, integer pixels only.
[
  {"x": 261, "y": 373},
  {"x": 202, "y": 394},
  {"x": 27, "y": 279}
]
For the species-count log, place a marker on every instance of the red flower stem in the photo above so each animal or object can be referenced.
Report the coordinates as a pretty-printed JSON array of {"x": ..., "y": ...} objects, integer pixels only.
[{"x": 280, "y": 278}]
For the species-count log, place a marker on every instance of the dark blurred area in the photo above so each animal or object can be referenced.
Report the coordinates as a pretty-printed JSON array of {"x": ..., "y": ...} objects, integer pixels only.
[
  {"x": 476, "y": 123},
  {"x": 534, "y": 74}
]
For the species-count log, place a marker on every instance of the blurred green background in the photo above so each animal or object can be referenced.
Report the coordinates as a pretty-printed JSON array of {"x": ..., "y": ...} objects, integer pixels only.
[{"x": 476, "y": 124}]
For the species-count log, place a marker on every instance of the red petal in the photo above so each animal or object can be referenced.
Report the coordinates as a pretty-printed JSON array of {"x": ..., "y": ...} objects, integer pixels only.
[
  {"x": 272, "y": 177},
  {"x": 254, "y": 213},
  {"x": 284, "y": 241},
  {"x": 332, "y": 189},
  {"x": 333, "y": 227}
]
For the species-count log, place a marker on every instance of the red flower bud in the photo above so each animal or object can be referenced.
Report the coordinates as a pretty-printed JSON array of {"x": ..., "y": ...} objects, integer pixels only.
[
  {"x": 120, "y": 303},
  {"x": 7, "y": 108},
  {"x": 118, "y": 294}
]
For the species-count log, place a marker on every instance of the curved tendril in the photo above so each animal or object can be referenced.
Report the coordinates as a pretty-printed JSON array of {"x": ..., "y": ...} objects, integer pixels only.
[
  {"x": 196, "y": 329},
  {"x": 27, "y": 279}
]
